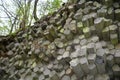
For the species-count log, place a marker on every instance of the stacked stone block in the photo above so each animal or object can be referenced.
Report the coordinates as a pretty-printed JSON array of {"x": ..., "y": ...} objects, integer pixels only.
[{"x": 79, "y": 42}]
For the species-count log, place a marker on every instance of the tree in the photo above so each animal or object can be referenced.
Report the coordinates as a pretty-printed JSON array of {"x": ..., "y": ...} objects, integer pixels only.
[
  {"x": 35, "y": 9},
  {"x": 26, "y": 12}
]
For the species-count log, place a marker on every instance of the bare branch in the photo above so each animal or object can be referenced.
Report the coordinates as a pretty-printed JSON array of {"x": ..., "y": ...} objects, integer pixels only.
[{"x": 35, "y": 9}]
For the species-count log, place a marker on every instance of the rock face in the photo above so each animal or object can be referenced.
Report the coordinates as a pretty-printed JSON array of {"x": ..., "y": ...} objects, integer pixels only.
[{"x": 78, "y": 42}]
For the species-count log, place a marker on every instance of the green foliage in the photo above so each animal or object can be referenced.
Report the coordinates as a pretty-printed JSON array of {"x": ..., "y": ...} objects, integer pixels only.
[
  {"x": 49, "y": 7},
  {"x": 53, "y": 5},
  {"x": 4, "y": 29}
]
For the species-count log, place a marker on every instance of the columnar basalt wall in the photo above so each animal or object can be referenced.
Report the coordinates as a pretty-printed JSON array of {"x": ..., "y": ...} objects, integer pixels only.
[{"x": 80, "y": 41}]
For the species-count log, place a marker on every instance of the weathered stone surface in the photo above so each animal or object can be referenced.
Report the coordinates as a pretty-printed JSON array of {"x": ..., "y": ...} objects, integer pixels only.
[
  {"x": 79, "y": 27},
  {"x": 77, "y": 42},
  {"x": 65, "y": 78},
  {"x": 84, "y": 64},
  {"x": 100, "y": 65},
  {"x": 110, "y": 13},
  {"x": 101, "y": 54},
  {"x": 89, "y": 77},
  {"x": 102, "y": 12},
  {"x": 82, "y": 51},
  {"x": 114, "y": 39},
  {"x": 55, "y": 77},
  {"x": 86, "y": 32},
  {"x": 85, "y": 21},
  {"x": 110, "y": 60},
  {"x": 99, "y": 24},
  {"x": 93, "y": 30},
  {"x": 73, "y": 77},
  {"x": 116, "y": 70},
  {"x": 83, "y": 42},
  {"x": 113, "y": 29},
  {"x": 91, "y": 58},
  {"x": 91, "y": 48},
  {"x": 106, "y": 34},
  {"x": 102, "y": 77},
  {"x": 92, "y": 69},
  {"x": 75, "y": 64},
  {"x": 117, "y": 14},
  {"x": 78, "y": 15},
  {"x": 117, "y": 56}
]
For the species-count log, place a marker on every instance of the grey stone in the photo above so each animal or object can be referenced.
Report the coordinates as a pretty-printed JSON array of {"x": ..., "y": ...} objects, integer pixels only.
[
  {"x": 82, "y": 3},
  {"x": 69, "y": 71},
  {"x": 61, "y": 51},
  {"x": 78, "y": 15},
  {"x": 117, "y": 56},
  {"x": 93, "y": 30},
  {"x": 46, "y": 72},
  {"x": 87, "y": 10},
  {"x": 98, "y": 45},
  {"x": 104, "y": 44},
  {"x": 82, "y": 51},
  {"x": 91, "y": 58},
  {"x": 62, "y": 73},
  {"x": 85, "y": 20},
  {"x": 84, "y": 64},
  {"x": 114, "y": 39},
  {"x": 73, "y": 77},
  {"x": 119, "y": 31},
  {"x": 91, "y": 19},
  {"x": 83, "y": 42},
  {"x": 111, "y": 13},
  {"x": 102, "y": 77},
  {"x": 108, "y": 2},
  {"x": 92, "y": 69},
  {"x": 110, "y": 60},
  {"x": 55, "y": 77},
  {"x": 112, "y": 52},
  {"x": 102, "y": 12},
  {"x": 66, "y": 56},
  {"x": 113, "y": 29},
  {"x": 101, "y": 53},
  {"x": 82, "y": 37},
  {"x": 87, "y": 32},
  {"x": 107, "y": 51},
  {"x": 77, "y": 47},
  {"x": 80, "y": 27},
  {"x": 68, "y": 34},
  {"x": 74, "y": 54},
  {"x": 116, "y": 5},
  {"x": 99, "y": 25},
  {"x": 10, "y": 53},
  {"x": 110, "y": 46},
  {"x": 76, "y": 41},
  {"x": 91, "y": 48},
  {"x": 65, "y": 78},
  {"x": 108, "y": 22},
  {"x": 95, "y": 39},
  {"x": 75, "y": 64},
  {"x": 106, "y": 34},
  {"x": 73, "y": 27},
  {"x": 90, "y": 77},
  {"x": 100, "y": 65},
  {"x": 117, "y": 14},
  {"x": 116, "y": 70},
  {"x": 41, "y": 77}
]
